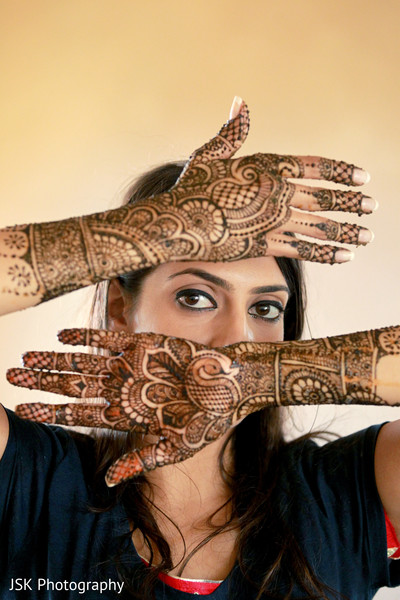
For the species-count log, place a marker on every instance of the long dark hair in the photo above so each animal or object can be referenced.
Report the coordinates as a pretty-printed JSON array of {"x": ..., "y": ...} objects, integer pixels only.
[{"x": 256, "y": 443}]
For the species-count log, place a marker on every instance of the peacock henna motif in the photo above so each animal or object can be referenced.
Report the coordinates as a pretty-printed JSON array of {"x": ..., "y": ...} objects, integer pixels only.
[
  {"x": 189, "y": 395},
  {"x": 221, "y": 209}
]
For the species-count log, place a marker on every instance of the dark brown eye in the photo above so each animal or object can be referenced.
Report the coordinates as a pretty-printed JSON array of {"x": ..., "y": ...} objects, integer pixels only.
[
  {"x": 266, "y": 310},
  {"x": 191, "y": 300},
  {"x": 196, "y": 300}
]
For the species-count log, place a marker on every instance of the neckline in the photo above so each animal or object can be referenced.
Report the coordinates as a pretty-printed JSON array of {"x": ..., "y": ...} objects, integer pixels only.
[{"x": 124, "y": 527}]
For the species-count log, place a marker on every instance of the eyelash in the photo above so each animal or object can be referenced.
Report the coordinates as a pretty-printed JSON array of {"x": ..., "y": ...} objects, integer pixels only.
[{"x": 194, "y": 292}]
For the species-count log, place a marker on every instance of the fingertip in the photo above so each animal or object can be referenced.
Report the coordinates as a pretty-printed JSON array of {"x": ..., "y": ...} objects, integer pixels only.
[
  {"x": 72, "y": 336},
  {"x": 110, "y": 483},
  {"x": 360, "y": 176},
  {"x": 365, "y": 236},
  {"x": 369, "y": 204},
  {"x": 235, "y": 108},
  {"x": 342, "y": 256}
]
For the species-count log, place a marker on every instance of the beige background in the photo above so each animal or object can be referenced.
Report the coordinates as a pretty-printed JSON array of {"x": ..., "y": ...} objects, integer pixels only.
[{"x": 93, "y": 92}]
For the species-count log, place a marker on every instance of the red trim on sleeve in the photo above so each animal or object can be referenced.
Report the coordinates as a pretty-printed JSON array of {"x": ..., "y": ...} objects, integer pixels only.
[{"x": 393, "y": 544}]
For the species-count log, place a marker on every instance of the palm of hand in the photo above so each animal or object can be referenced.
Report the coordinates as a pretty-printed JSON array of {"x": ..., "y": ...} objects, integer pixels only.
[
  {"x": 184, "y": 393},
  {"x": 172, "y": 385}
]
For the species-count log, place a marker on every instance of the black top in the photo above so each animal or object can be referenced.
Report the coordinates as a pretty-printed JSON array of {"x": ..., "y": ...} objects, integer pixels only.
[{"x": 53, "y": 547}]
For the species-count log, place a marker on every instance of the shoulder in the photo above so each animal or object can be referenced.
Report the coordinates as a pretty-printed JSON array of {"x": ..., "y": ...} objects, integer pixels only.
[
  {"x": 3, "y": 430},
  {"x": 333, "y": 482},
  {"x": 328, "y": 496},
  {"x": 36, "y": 452},
  {"x": 343, "y": 454}
]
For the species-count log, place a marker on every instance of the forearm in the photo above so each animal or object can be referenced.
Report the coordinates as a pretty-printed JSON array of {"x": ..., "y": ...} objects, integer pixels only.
[
  {"x": 359, "y": 368},
  {"x": 41, "y": 261}
]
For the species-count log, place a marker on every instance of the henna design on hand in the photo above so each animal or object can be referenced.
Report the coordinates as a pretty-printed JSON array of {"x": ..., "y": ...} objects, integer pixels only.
[
  {"x": 188, "y": 394},
  {"x": 335, "y": 200},
  {"x": 221, "y": 209},
  {"x": 333, "y": 370}
]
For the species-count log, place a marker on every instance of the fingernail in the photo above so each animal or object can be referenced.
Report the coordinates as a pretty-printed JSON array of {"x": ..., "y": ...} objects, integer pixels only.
[
  {"x": 235, "y": 108},
  {"x": 360, "y": 176},
  {"x": 365, "y": 236},
  {"x": 369, "y": 204},
  {"x": 343, "y": 256}
]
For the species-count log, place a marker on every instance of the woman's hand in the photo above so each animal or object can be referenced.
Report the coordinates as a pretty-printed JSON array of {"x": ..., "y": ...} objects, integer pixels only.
[
  {"x": 189, "y": 395},
  {"x": 180, "y": 391},
  {"x": 225, "y": 209},
  {"x": 221, "y": 209}
]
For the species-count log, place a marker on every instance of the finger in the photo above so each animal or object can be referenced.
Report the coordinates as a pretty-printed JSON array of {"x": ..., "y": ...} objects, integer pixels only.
[
  {"x": 75, "y": 386},
  {"x": 36, "y": 411},
  {"x": 235, "y": 108},
  {"x": 326, "y": 229},
  {"x": 97, "y": 338},
  {"x": 77, "y": 362},
  {"x": 281, "y": 245},
  {"x": 71, "y": 414},
  {"x": 312, "y": 167},
  {"x": 311, "y": 198},
  {"x": 228, "y": 140},
  {"x": 148, "y": 458}
]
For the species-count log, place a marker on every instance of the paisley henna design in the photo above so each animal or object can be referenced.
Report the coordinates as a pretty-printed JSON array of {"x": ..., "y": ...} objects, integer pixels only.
[
  {"x": 188, "y": 394},
  {"x": 221, "y": 209}
]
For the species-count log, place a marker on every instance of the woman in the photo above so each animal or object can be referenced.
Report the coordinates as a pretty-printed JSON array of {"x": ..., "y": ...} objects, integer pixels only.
[{"x": 246, "y": 496}]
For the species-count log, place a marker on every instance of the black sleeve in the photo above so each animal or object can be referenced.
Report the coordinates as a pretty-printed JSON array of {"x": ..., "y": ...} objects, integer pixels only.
[
  {"x": 41, "y": 478},
  {"x": 333, "y": 505}
]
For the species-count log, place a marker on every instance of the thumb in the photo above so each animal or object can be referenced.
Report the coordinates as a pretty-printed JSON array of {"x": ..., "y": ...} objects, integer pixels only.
[
  {"x": 136, "y": 462},
  {"x": 229, "y": 138}
]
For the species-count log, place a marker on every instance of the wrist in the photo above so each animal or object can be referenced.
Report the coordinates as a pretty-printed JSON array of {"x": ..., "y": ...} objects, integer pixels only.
[{"x": 337, "y": 370}]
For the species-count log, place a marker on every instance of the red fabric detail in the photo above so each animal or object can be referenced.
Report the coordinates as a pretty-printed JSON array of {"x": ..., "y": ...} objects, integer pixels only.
[
  {"x": 392, "y": 541},
  {"x": 190, "y": 586}
]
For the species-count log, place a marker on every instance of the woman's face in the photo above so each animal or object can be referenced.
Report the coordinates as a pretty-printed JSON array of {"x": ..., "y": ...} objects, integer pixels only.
[{"x": 215, "y": 304}]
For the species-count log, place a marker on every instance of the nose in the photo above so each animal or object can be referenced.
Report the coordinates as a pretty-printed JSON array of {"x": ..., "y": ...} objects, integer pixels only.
[{"x": 230, "y": 329}]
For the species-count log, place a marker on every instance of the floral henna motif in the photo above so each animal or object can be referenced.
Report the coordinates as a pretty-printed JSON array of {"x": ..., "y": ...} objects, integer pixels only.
[
  {"x": 389, "y": 340},
  {"x": 189, "y": 395},
  {"x": 19, "y": 277}
]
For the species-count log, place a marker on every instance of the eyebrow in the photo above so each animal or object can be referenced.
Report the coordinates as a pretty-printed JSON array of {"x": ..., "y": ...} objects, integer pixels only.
[
  {"x": 267, "y": 289},
  {"x": 264, "y": 289}
]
